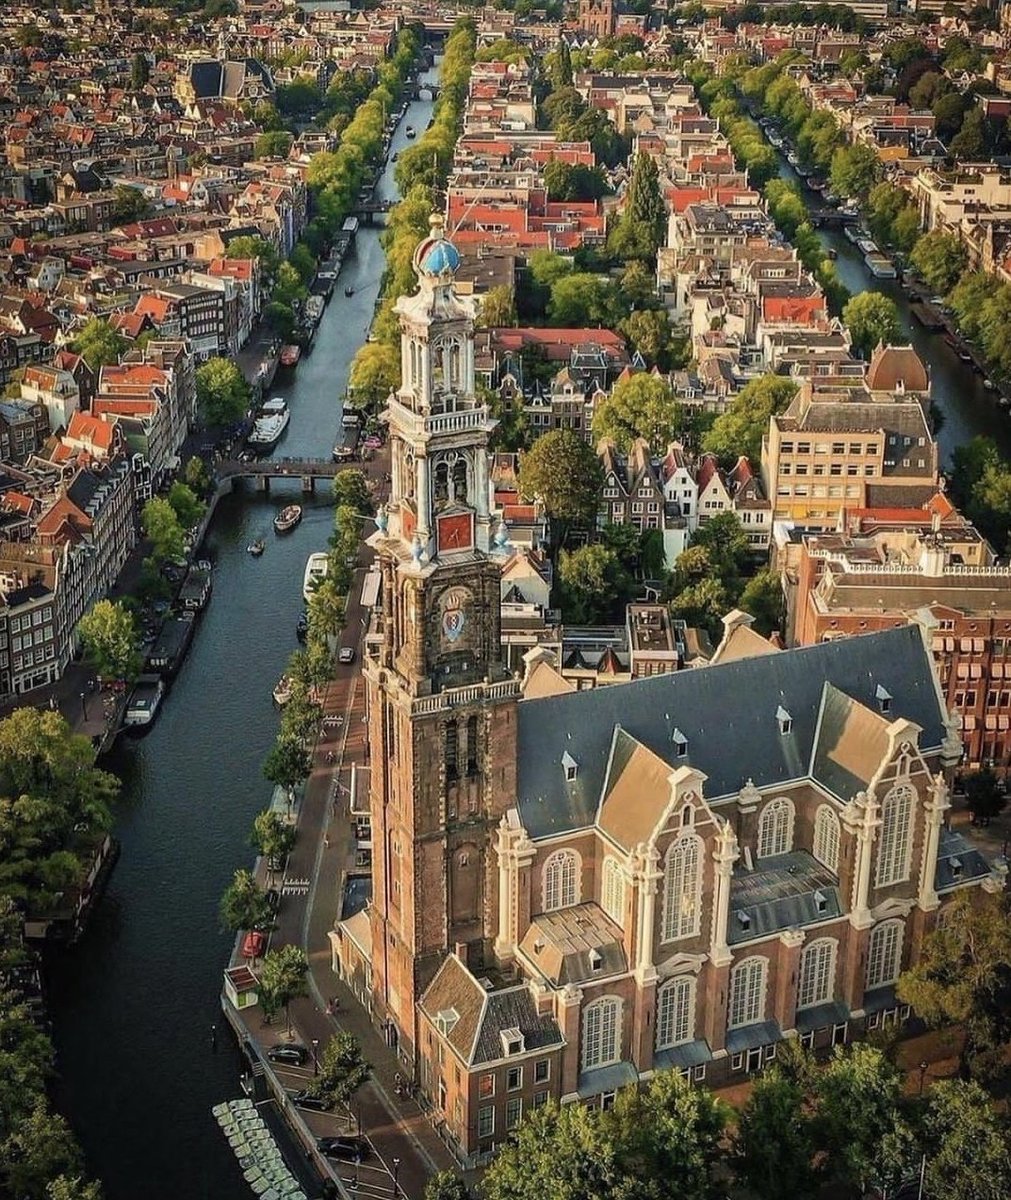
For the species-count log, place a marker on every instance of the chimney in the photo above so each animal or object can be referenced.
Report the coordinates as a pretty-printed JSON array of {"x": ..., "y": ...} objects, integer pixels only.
[{"x": 461, "y": 951}]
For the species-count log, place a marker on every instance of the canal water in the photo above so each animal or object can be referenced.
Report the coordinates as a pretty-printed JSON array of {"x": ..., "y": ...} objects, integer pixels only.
[
  {"x": 134, "y": 1003},
  {"x": 968, "y": 409}
]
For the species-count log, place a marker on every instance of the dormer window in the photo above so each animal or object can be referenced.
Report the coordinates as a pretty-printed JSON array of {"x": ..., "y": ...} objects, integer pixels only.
[
  {"x": 445, "y": 1020},
  {"x": 784, "y": 721},
  {"x": 596, "y": 961},
  {"x": 884, "y": 699},
  {"x": 570, "y": 766},
  {"x": 820, "y": 901},
  {"x": 680, "y": 744},
  {"x": 744, "y": 920},
  {"x": 956, "y": 868},
  {"x": 512, "y": 1042}
]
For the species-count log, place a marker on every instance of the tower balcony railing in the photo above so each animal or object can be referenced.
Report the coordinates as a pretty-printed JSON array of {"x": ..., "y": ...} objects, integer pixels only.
[
  {"x": 454, "y": 697},
  {"x": 421, "y": 425}
]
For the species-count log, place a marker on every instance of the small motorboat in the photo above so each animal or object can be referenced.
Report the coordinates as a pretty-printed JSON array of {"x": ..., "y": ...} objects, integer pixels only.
[
  {"x": 342, "y": 453},
  {"x": 287, "y": 518},
  {"x": 256, "y": 547},
  {"x": 316, "y": 570},
  {"x": 409, "y": 131},
  {"x": 349, "y": 291},
  {"x": 302, "y": 628},
  {"x": 989, "y": 385},
  {"x": 283, "y": 690},
  {"x": 290, "y": 356}
]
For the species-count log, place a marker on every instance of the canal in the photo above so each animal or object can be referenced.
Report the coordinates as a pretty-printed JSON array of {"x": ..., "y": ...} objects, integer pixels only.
[
  {"x": 134, "y": 1003},
  {"x": 957, "y": 390}
]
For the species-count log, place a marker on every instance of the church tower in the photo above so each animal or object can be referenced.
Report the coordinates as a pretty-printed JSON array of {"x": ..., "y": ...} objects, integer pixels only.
[{"x": 442, "y": 709}]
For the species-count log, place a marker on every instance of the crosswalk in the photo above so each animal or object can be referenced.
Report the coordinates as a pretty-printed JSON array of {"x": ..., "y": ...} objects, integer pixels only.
[{"x": 295, "y": 887}]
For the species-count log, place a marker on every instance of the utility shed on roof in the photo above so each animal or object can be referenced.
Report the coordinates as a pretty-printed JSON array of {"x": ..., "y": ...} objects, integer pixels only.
[{"x": 727, "y": 715}]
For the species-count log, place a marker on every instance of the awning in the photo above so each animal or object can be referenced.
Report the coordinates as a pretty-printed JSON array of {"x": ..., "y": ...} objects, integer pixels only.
[
  {"x": 880, "y": 999},
  {"x": 606, "y": 1079},
  {"x": 822, "y": 1015},
  {"x": 764, "y": 1033},
  {"x": 691, "y": 1054}
]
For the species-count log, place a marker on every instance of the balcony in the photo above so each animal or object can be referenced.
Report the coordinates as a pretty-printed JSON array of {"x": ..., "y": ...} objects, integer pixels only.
[{"x": 421, "y": 427}]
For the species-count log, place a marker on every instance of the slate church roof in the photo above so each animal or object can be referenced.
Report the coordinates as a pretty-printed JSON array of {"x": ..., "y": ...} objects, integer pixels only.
[{"x": 728, "y": 715}]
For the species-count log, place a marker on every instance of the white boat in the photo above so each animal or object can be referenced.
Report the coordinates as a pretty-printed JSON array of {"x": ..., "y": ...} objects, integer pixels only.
[
  {"x": 283, "y": 690},
  {"x": 350, "y": 420},
  {"x": 144, "y": 701},
  {"x": 316, "y": 568},
  {"x": 314, "y": 308},
  {"x": 866, "y": 246},
  {"x": 270, "y": 424},
  {"x": 880, "y": 266}
]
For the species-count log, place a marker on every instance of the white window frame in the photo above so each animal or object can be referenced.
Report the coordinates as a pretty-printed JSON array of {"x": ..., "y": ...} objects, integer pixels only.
[
  {"x": 826, "y": 838},
  {"x": 816, "y": 977},
  {"x": 612, "y": 889},
  {"x": 675, "y": 1012},
  {"x": 561, "y": 879},
  {"x": 884, "y": 954},
  {"x": 601, "y": 1033},
  {"x": 682, "y": 893},
  {"x": 513, "y": 1112},
  {"x": 775, "y": 828},
  {"x": 486, "y": 1121},
  {"x": 748, "y": 981},
  {"x": 895, "y": 837}
]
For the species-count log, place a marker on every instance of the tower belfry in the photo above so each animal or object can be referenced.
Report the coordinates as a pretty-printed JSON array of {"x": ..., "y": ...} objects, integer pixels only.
[{"x": 441, "y": 705}]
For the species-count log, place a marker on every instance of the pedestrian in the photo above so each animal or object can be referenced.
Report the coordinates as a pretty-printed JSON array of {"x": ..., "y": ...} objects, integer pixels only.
[{"x": 326, "y": 841}]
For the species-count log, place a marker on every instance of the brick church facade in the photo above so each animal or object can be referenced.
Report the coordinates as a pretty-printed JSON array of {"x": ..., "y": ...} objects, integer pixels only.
[{"x": 573, "y": 891}]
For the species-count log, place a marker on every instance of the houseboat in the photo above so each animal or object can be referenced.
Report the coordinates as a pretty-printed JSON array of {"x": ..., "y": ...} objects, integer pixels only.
[
  {"x": 314, "y": 307},
  {"x": 290, "y": 356},
  {"x": 256, "y": 547},
  {"x": 170, "y": 646},
  {"x": 316, "y": 568},
  {"x": 288, "y": 518},
  {"x": 196, "y": 589},
  {"x": 880, "y": 266},
  {"x": 271, "y": 422},
  {"x": 144, "y": 702}
]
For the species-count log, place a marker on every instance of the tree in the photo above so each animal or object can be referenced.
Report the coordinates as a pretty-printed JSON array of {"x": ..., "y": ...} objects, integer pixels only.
[
  {"x": 40, "y": 1148},
  {"x": 273, "y": 836},
  {"x": 351, "y": 488},
  {"x": 645, "y": 205},
  {"x": 195, "y": 475},
  {"x": 99, "y": 344},
  {"x": 968, "y": 1152},
  {"x": 872, "y": 319},
  {"x": 594, "y": 584},
  {"x": 860, "y": 1121},
  {"x": 129, "y": 204},
  {"x": 970, "y": 141},
  {"x": 929, "y": 87},
  {"x": 724, "y": 540},
  {"x": 245, "y": 906},
  {"x": 287, "y": 765},
  {"x": 342, "y": 1070},
  {"x": 763, "y": 598},
  {"x": 561, "y": 1153},
  {"x": 108, "y": 634},
  {"x": 259, "y": 249},
  {"x": 940, "y": 258},
  {"x": 139, "y": 71},
  {"x": 185, "y": 504},
  {"x": 497, "y": 308},
  {"x": 963, "y": 977},
  {"x": 984, "y": 796},
  {"x": 283, "y": 979},
  {"x": 72, "y": 1187},
  {"x": 648, "y": 331},
  {"x": 161, "y": 525},
  {"x": 563, "y": 473},
  {"x": 375, "y": 372},
  {"x": 580, "y": 300},
  {"x": 273, "y": 143},
  {"x": 773, "y": 1149},
  {"x": 741, "y": 428},
  {"x": 639, "y": 406},
  {"x": 222, "y": 392},
  {"x": 446, "y": 1185},
  {"x": 854, "y": 170}
]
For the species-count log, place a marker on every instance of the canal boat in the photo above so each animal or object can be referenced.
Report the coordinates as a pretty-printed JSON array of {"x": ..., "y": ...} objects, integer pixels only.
[
  {"x": 342, "y": 453},
  {"x": 144, "y": 702},
  {"x": 290, "y": 356},
  {"x": 880, "y": 266},
  {"x": 256, "y": 547},
  {"x": 866, "y": 246},
  {"x": 271, "y": 422},
  {"x": 854, "y": 233},
  {"x": 351, "y": 420},
  {"x": 314, "y": 307},
  {"x": 989, "y": 385},
  {"x": 409, "y": 131},
  {"x": 196, "y": 589},
  {"x": 349, "y": 290},
  {"x": 288, "y": 518},
  {"x": 169, "y": 649},
  {"x": 965, "y": 356},
  {"x": 831, "y": 252},
  {"x": 792, "y": 159},
  {"x": 302, "y": 627},
  {"x": 316, "y": 568},
  {"x": 283, "y": 691}
]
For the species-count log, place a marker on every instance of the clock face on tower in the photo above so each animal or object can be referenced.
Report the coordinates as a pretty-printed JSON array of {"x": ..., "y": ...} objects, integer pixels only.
[{"x": 455, "y": 531}]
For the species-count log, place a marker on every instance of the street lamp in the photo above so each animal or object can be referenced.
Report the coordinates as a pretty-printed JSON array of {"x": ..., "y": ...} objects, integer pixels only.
[
  {"x": 315, "y": 1056},
  {"x": 923, "y": 1073},
  {"x": 396, "y": 1173},
  {"x": 84, "y": 705}
]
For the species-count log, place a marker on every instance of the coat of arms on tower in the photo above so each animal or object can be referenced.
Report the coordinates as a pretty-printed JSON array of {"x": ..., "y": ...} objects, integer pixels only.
[{"x": 453, "y": 608}]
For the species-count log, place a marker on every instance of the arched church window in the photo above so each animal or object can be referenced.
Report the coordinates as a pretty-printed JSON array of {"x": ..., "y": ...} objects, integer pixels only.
[
  {"x": 409, "y": 476},
  {"x": 440, "y": 491},
  {"x": 453, "y": 372},
  {"x": 460, "y": 480},
  {"x": 438, "y": 365}
]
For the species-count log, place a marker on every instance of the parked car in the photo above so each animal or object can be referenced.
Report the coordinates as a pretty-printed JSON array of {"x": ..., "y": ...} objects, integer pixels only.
[
  {"x": 346, "y": 655},
  {"x": 353, "y": 1149},
  {"x": 291, "y": 1053},
  {"x": 306, "y": 1099}
]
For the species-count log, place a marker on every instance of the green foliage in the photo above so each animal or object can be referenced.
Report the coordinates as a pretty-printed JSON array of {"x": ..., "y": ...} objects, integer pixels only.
[
  {"x": 581, "y": 300},
  {"x": 283, "y": 979},
  {"x": 446, "y": 1185},
  {"x": 497, "y": 307},
  {"x": 222, "y": 392},
  {"x": 574, "y": 181},
  {"x": 129, "y": 204},
  {"x": 288, "y": 764},
  {"x": 741, "y": 428},
  {"x": 300, "y": 98},
  {"x": 99, "y": 344},
  {"x": 108, "y": 634},
  {"x": 639, "y": 406},
  {"x": 593, "y": 585},
  {"x": 185, "y": 504},
  {"x": 196, "y": 476},
  {"x": 643, "y": 225},
  {"x": 968, "y": 1149},
  {"x": 984, "y": 797},
  {"x": 262, "y": 251},
  {"x": 963, "y": 976},
  {"x": 872, "y": 319},
  {"x": 773, "y": 1150},
  {"x": 273, "y": 143},
  {"x": 854, "y": 170},
  {"x": 763, "y": 598},
  {"x": 648, "y": 331},
  {"x": 40, "y": 1149},
  {"x": 562, "y": 471},
  {"x": 274, "y": 837},
  {"x": 342, "y": 1070},
  {"x": 161, "y": 525},
  {"x": 244, "y": 905},
  {"x": 351, "y": 488},
  {"x": 940, "y": 259},
  {"x": 139, "y": 71},
  {"x": 981, "y": 486}
]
